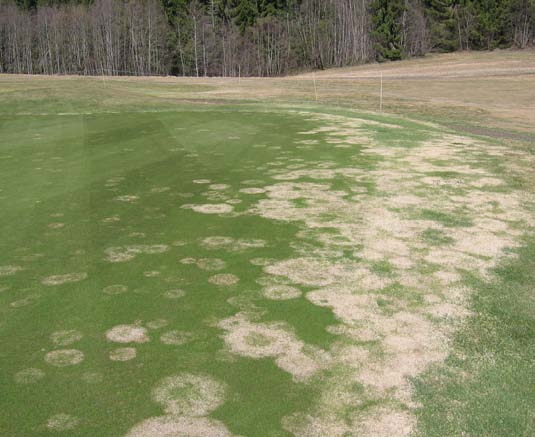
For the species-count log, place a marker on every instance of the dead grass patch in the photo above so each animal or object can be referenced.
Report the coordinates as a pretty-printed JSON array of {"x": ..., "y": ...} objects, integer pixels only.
[
  {"x": 211, "y": 264},
  {"x": 174, "y": 294},
  {"x": 127, "y": 253},
  {"x": 92, "y": 377},
  {"x": 176, "y": 337},
  {"x": 25, "y": 301},
  {"x": 219, "y": 187},
  {"x": 151, "y": 273},
  {"x": 260, "y": 340},
  {"x": 188, "y": 394},
  {"x": 129, "y": 198},
  {"x": 115, "y": 289},
  {"x": 66, "y": 337},
  {"x": 157, "y": 324},
  {"x": 62, "y": 422},
  {"x": 9, "y": 270},
  {"x": 381, "y": 229},
  {"x": 29, "y": 376},
  {"x": 230, "y": 244},
  {"x": 210, "y": 208},
  {"x": 56, "y": 225},
  {"x": 127, "y": 334},
  {"x": 123, "y": 354},
  {"x": 261, "y": 261},
  {"x": 179, "y": 426},
  {"x": 64, "y": 357},
  {"x": 252, "y": 190},
  {"x": 281, "y": 292},
  {"x": 224, "y": 279},
  {"x": 64, "y": 279}
]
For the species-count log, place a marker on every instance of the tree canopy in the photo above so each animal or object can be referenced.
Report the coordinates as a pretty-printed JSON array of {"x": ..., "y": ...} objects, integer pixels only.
[{"x": 248, "y": 37}]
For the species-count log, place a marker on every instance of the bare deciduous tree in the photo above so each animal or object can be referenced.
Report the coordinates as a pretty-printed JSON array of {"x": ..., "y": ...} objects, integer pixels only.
[{"x": 200, "y": 38}]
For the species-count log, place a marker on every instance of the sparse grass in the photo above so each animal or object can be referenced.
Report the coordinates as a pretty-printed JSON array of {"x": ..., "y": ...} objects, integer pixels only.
[
  {"x": 445, "y": 174},
  {"x": 382, "y": 268},
  {"x": 449, "y": 220},
  {"x": 436, "y": 237}
]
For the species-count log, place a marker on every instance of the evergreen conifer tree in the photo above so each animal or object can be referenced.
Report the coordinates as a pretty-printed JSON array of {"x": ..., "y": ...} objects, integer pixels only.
[{"x": 386, "y": 22}]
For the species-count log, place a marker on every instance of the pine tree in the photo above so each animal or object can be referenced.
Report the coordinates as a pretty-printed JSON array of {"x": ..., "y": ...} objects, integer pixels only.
[
  {"x": 245, "y": 13},
  {"x": 442, "y": 15},
  {"x": 493, "y": 27},
  {"x": 386, "y": 22},
  {"x": 26, "y": 4},
  {"x": 271, "y": 7}
]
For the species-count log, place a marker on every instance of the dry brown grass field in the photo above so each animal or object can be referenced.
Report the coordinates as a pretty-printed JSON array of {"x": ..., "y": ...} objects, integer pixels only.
[{"x": 494, "y": 89}]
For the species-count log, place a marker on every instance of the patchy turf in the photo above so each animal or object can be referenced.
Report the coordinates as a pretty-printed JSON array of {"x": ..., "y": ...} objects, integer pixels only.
[
  {"x": 255, "y": 270},
  {"x": 485, "y": 387}
]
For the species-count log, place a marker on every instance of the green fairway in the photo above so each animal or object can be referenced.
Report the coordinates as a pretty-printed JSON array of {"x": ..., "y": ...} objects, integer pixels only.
[
  {"x": 67, "y": 180},
  {"x": 239, "y": 269}
]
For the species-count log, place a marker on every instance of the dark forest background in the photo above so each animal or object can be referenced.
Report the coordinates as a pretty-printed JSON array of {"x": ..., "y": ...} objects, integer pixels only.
[{"x": 246, "y": 37}]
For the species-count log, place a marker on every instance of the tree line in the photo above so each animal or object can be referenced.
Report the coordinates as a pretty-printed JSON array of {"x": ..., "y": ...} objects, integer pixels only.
[{"x": 246, "y": 37}]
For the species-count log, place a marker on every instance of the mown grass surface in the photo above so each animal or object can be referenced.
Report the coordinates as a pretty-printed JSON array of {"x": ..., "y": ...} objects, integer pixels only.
[
  {"x": 486, "y": 386},
  {"x": 57, "y": 169},
  {"x": 62, "y": 141}
]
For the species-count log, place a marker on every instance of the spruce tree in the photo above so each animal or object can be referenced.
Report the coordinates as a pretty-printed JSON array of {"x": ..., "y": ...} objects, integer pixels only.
[
  {"x": 386, "y": 33},
  {"x": 271, "y": 7},
  {"x": 493, "y": 27},
  {"x": 245, "y": 13},
  {"x": 443, "y": 23}
]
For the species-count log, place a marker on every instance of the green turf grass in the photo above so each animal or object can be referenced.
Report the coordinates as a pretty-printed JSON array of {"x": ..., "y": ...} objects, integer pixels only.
[
  {"x": 71, "y": 154},
  {"x": 71, "y": 169},
  {"x": 486, "y": 386}
]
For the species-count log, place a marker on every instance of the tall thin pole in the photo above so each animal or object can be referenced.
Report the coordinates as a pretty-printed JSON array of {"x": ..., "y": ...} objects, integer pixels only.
[
  {"x": 381, "y": 98},
  {"x": 315, "y": 89}
]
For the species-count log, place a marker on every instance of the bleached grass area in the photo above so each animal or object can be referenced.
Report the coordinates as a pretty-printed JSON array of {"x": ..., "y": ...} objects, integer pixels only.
[{"x": 192, "y": 257}]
